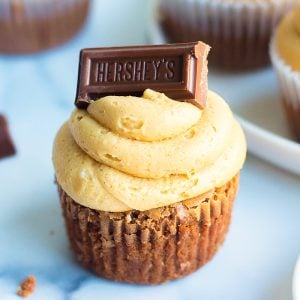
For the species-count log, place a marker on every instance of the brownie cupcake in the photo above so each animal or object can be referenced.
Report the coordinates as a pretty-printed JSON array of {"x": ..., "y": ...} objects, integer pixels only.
[
  {"x": 28, "y": 26},
  {"x": 285, "y": 56},
  {"x": 239, "y": 31},
  {"x": 147, "y": 184}
]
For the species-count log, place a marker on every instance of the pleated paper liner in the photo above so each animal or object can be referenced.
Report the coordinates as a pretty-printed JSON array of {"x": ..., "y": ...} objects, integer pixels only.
[
  {"x": 32, "y": 26},
  {"x": 238, "y": 31},
  {"x": 154, "y": 246},
  {"x": 289, "y": 82}
]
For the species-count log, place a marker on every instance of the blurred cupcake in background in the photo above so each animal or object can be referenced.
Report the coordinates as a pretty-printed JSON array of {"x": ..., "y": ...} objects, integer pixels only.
[
  {"x": 285, "y": 56},
  {"x": 28, "y": 26},
  {"x": 239, "y": 31}
]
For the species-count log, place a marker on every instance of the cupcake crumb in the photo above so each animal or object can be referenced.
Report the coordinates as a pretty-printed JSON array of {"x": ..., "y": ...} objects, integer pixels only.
[{"x": 27, "y": 287}]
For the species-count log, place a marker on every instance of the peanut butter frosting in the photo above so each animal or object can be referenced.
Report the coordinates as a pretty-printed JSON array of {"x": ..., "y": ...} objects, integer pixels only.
[
  {"x": 287, "y": 39},
  {"x": 140, "y": 153}
]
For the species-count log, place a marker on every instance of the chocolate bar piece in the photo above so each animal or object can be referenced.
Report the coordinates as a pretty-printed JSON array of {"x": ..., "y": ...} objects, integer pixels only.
[
  {"x": 178, "y": 70},
  {"x": 7, "y": 147}
]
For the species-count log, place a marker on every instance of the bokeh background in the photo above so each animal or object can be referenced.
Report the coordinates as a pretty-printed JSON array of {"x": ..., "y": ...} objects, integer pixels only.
[{"x": 37, "y": 94}]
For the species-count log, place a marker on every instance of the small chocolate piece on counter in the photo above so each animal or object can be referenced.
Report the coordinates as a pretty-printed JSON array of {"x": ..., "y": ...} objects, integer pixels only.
[
  {"x": 7, "y": 147},
  {"x": 178, "y": 70}
]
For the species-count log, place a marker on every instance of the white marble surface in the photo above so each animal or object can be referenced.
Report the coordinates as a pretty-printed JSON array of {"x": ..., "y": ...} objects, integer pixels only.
[{"x": 37, "y": 93}]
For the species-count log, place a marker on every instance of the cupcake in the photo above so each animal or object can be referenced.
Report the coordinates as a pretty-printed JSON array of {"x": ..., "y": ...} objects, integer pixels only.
[
  {"x": 28, "y": 26},
  {"x": 285, "y": 56},
  {"x": 239, "y": 31},
  {"x": 147, "y": 184}
]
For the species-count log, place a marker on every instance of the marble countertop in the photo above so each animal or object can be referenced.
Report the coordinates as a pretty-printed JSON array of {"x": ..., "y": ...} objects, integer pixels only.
[{"x": 37, "y": 93}]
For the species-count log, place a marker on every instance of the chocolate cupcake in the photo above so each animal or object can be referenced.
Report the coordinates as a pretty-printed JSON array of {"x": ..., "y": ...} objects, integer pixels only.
[
  {"x": 239, "y": 31},
  {"x": 28, "y": 26},
  {"x": 147, "y": 184},
  {"x": 285, "y": 54}
]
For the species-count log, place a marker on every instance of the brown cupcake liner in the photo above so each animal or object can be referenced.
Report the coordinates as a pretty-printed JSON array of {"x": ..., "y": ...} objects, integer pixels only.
[
  {"x": 32, "y": 26},
  {"x": 154, "y": 246},
  {"x": 239, "y": 32},
  {"x": 289, "y": 83}
]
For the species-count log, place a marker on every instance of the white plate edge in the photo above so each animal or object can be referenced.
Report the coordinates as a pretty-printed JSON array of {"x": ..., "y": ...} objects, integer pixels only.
[
  {"x": 270, "y": 147},
  {"x": 261, "y": 142}
]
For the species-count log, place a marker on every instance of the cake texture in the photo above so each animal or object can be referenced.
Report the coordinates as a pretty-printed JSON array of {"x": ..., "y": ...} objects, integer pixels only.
[
  {"x": 153, "y": 246},
  {"x": 147, "y": 184},
  {"x": 238, "y": 31},
  {"x": 285, "y": 53},
  {"x": 28, "y": 26}
]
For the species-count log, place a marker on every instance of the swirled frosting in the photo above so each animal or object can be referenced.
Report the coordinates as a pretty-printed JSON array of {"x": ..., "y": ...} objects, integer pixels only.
[{"x": 128, "y": 153}]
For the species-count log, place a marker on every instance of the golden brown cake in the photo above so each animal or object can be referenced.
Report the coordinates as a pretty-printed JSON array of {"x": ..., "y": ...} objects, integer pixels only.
[
  {"x": 285, "y": 53},
  {"x": 147, "y": 184},
  {"x": 28, "y": 26},
  {"x": 238, "y": 31}
]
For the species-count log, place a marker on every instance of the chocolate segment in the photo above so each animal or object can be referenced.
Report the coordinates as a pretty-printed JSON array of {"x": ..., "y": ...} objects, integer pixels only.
[
  {"x": 178, "y": 70},
  {"x": 7, "y": 147}
]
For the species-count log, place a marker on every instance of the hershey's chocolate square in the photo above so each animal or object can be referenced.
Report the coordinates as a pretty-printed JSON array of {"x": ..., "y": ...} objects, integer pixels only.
[{"x": 178, "y": 70}]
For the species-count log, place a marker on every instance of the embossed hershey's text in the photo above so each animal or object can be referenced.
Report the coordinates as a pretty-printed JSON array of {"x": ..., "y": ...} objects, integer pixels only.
[{"x": 131, "y": 70}]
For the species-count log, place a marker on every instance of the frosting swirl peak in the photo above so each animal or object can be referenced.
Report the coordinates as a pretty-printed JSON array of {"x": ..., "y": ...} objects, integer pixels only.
[{"x": 153, "y": 117}]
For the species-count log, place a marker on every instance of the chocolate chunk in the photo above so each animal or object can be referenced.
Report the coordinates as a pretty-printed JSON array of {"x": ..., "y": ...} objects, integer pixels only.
[
  {"x": 7, "y": 147},
  {"x": 178, "y": 70}
]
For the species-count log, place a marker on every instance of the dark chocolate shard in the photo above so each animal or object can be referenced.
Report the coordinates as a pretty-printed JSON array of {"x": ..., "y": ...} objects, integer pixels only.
[
  {"x": 177, "y": 70},
  {"x": 7, "y": 147}
]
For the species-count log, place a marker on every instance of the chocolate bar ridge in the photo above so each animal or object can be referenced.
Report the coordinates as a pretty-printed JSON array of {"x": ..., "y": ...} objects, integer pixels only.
[{"x": 178, "y": 70}]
